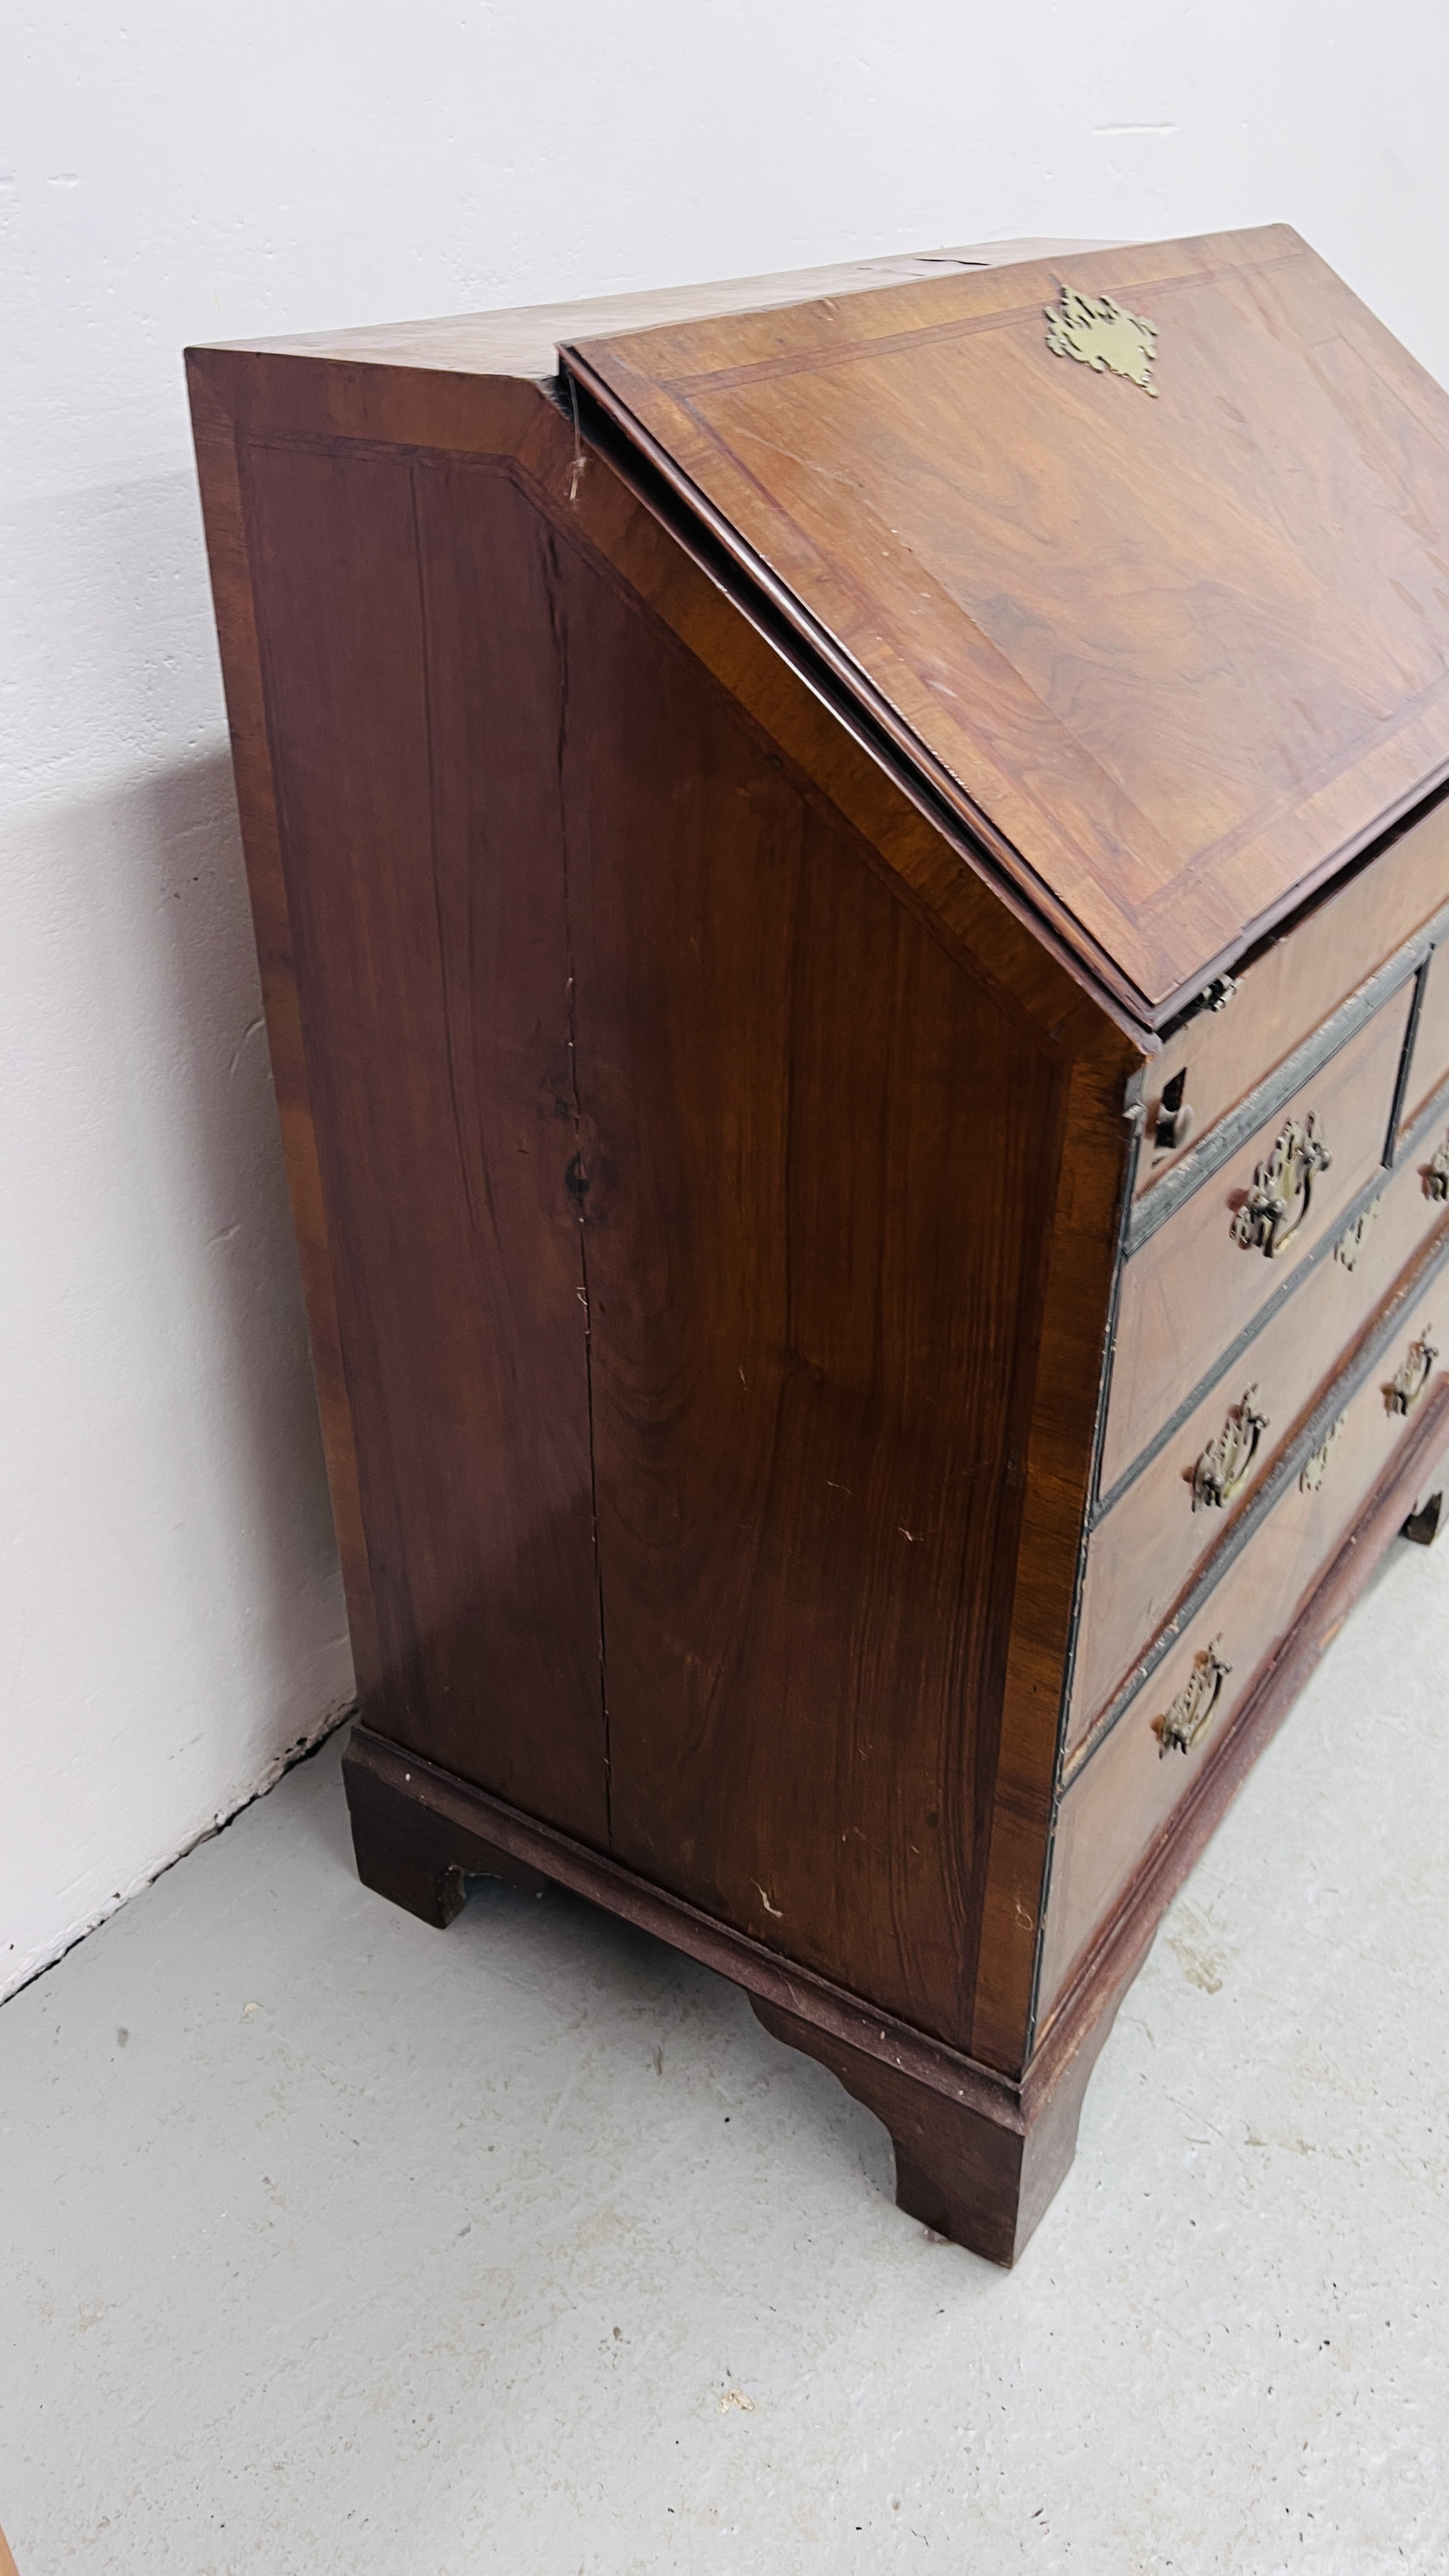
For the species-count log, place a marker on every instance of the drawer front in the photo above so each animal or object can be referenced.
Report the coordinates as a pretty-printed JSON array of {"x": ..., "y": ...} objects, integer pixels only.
[
  {"x": 1196, "y": 1283},
  {"x": 1429, "y": 1063},
  {"x": 1149, "y": 1547},
  {"x": 1126, "y": 1792},
  {"x": 1289, "y": 990}
]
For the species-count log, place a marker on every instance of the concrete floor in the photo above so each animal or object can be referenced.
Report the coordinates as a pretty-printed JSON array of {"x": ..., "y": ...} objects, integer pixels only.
[{"x": 333, "y": 2243}]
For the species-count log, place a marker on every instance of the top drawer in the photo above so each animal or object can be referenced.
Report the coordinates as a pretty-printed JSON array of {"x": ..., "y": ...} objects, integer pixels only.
[
  {"x": 1199, "y": 1280},
  {"x": 1215, "y": 1058}
]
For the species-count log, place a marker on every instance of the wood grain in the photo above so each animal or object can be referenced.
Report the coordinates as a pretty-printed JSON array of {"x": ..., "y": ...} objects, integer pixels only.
[
  {"x": 232, "y": 592},
  {"x": 1149, "y": 640},
  {"x": 416, "y": 760},
  {"x": 808, "y": 1283}
]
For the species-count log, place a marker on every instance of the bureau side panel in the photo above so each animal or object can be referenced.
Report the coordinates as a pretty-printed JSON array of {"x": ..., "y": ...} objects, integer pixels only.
[
  {"x": 1080, "y": 1171},
  {"x": 413, "y": 692},
  {"x": 231, "y": 584},
  {"x": 812, "y": 1276}
]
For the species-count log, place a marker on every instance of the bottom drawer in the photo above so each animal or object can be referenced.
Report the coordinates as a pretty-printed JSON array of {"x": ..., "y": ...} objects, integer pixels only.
[{"x": 1125, "y": 1793}]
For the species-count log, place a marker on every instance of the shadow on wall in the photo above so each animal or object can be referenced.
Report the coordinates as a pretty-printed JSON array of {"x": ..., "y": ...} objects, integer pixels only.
[
  {"x": 175, "y": 1625},
  {"x": 220, "y": 1176},
  {"x": 220, "y": 1255}
]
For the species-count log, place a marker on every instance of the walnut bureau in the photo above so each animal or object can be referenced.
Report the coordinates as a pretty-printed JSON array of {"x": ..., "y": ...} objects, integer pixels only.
[{"x": 849, "y": 874}]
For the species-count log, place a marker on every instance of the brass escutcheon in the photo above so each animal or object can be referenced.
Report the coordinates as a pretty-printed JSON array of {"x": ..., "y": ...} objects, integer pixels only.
[
  {"x": 1350, "y": 1242},
  {"x": 1412, "y": 1374},
  {"x": 1176, "y": 1117},
  {"x": 1275, "y": 1207},
  {"x": 1315, "y": 1465},
  {"x": 1191, "y": 1712},
  {"x": 1101, "y": 333},
  {"x": 1436, "y": 1178},
  {"x": 1227, "y": 1461}
]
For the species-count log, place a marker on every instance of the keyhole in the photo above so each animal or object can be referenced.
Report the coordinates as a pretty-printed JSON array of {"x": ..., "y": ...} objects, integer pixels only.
[{"x": 1174, "y": 1116}]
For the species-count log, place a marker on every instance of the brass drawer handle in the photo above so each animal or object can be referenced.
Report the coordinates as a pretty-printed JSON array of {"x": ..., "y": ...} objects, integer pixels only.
[
  {"x": 1227, "y": 1462},
  {"x": 1315, "y": 1465},
  {"x": 1191, "y": 1712},
  {"x": 1278, "y": 1202},
  {"x": 1412, "y": 1374}
]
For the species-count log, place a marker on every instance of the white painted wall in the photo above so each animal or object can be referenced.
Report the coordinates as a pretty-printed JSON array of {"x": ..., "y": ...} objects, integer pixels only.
[{"x": 170, "y": 1620}]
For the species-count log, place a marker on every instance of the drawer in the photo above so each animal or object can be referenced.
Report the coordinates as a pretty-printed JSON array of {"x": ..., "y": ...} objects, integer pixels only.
[
  {"x": 1294, "y": 984},
  {"x": 1199, "y": 1280},
  {"x": 1163, "y": 1528},
  {"x": 1429, "y": 1061},
  {"x": 1128, "y": 1788}
]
